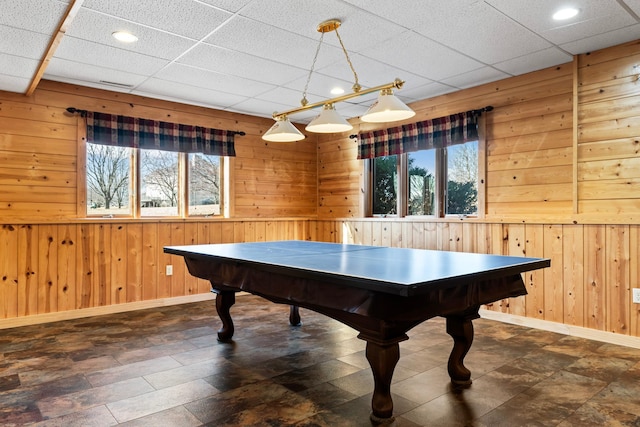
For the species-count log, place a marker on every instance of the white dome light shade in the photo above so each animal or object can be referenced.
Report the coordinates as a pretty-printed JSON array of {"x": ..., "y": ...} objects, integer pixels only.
[
  {"x": 329, "y": 121},
  {"x": 387, "y": 108},
  {"x": 283, "y": 131}
]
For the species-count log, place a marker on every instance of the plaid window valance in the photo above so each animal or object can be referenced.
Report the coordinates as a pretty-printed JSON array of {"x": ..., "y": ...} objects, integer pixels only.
[
  {"x": 435, "y": 133},
  {"x": 123, "y": 131}
]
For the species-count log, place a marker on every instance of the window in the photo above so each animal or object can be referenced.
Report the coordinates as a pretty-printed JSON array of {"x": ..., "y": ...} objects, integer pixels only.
[
  {"x": 110, "y": 178},
  {"x": 455, "y": 166},
  {"x": 146, "y": 168},
  {"x": 426, "y": 168}
]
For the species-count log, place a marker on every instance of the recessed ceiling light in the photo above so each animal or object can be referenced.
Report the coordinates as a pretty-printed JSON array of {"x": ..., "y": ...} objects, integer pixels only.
[
  {"x": 565, "y": 14},
  {"x": 124, "y": 37},
  {"x": 337, "y": 91}
]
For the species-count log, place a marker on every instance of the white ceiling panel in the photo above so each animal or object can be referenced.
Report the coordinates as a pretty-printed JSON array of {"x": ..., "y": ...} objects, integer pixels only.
[
  {"x": 111, "y": 58},
  {"x": 187, "y": 18},
  {"x": 19, "y": 42},
  {"x": 535, "y": 61},
  {"x": 472, "y": 78},
  {"x": 595, "y": 17},
  {"x": 97, "y": 27},
  {"x": 41, "y": 16},
  {"x": 425, "y": 91},
  {"x": 16, "y": 65},
  {"x": 211, "y": 80},
  {"x": 422, "y": 56},
  {"x": 273, "y": 44},
  {"x": 359, "y": 29},
  {"x": 186, "y": 93},
  {"x": 602, "y": 41},
  {"x": 254, "y": 56},
  {"x": 59, "y": 69},
  {"x": 11, "y": 83},
  {"x": 228, "y": 5},
  {"x": 223, "y": 60}
]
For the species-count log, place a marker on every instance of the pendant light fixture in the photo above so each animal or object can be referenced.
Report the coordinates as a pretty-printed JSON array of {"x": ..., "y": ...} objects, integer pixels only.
[{"x": 387, "y": 108}]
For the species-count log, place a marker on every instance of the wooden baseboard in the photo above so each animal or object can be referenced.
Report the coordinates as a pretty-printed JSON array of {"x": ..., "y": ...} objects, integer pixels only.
[
  {"x": 37, "y": 319},
  {"x": 561, "y": 328}
]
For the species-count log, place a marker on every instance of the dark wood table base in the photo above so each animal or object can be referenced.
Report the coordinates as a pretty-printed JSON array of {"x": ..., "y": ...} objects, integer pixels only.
[{"x": 382, "y": 350}]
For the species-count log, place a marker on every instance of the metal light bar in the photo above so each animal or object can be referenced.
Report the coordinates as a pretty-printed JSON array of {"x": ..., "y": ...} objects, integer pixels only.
[{"x": 397, "y": 84}]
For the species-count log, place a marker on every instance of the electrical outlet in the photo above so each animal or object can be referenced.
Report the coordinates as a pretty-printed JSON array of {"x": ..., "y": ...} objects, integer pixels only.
[
  {"x": 636, "y": 295},
  {"x": 169, "y": 270}
]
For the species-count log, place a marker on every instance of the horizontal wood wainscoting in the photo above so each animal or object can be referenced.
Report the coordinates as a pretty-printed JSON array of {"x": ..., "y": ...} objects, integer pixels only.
[
  {"x": 50, "y": 271},
  {"x": 593, "y": 267}
]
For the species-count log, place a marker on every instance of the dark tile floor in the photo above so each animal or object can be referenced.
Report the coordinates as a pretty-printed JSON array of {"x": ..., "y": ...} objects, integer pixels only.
[{"x": 164, "y": 367}]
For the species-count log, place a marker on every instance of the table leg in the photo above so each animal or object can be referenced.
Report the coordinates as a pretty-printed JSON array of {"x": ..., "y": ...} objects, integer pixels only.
[
  {"x": 294, "y": 315},
  {"x": 224, "y": 301},
  {"x": 383, "y": 360},
  {"x": 461, "y": 330}
]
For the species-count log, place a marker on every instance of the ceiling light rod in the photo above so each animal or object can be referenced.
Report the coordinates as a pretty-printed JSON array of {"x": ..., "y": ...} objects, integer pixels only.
[{"x": 397, "y": 84}]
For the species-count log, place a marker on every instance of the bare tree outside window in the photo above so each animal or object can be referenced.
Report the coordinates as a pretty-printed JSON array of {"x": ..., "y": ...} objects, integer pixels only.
[
  {"x": 159, "y": 183},
  {"x": 108, "y": 169},
  {"x": 204, "y": 184},
  {"x": 462, "y": 179}
]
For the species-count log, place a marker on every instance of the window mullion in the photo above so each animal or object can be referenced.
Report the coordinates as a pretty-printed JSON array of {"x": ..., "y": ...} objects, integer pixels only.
[
  {"x": 403, "y": 185},
  {"x": 441, "y": 182}
]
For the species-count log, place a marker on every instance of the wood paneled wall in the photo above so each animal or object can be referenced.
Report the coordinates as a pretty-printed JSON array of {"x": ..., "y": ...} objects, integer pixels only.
[
  {"x": 593, "y": 267},
  {"x": 50, "y": 268},
  {"x": 42, "y": 167},
  {"x": 608, "y": 164},
  {"x": 562, "y": 175},
  {"x": 562, "y": 181}
]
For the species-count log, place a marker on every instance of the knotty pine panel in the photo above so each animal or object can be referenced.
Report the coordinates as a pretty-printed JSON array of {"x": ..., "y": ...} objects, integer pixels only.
[
  {"x": 593, "y": 267},
  {"x": 50, "y": 268}
]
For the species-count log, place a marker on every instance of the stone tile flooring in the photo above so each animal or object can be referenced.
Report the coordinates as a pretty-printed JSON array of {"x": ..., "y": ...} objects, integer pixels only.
[{"x": 164, "y": 367}]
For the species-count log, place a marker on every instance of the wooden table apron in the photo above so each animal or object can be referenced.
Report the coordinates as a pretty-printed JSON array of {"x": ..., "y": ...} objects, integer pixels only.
[{"x": 382, "y": 319}]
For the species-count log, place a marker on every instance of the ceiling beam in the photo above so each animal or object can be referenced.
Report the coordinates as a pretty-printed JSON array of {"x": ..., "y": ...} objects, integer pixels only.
[{"x": 65, "y": 22}]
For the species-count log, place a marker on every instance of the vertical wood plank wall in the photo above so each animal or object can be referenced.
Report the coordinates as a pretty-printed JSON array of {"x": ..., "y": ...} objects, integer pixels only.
[
  {"x": 560, "y": 183},
  {"x": 49, "y": 268},
  {"x": 554, "y": 188},
  {"x": 587, "y": 285}
]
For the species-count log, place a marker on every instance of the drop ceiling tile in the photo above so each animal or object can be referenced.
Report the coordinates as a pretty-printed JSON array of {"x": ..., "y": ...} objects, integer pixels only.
[
  {"x": 421, "y": 56},
  {"x": 262, "y": 108},
  {"x": 268, "y": 42},
  {"x": 17, "y": 66},
  {"x": 319, "y": 86},
  {"x": 187, "y": 18},
  {"x": 371, "y": 72},
  {"x": 595, "y": 17},
  {"x": 288, "y": 98},
  {"x": 359, "y": 29},
  {"x": 427, "y": 91},
  {"x": 479, "y": 31},
  {"x": 27, "y": 44},
  {"x": 33, "y": 15},
  {"x": 222, "y": 60},
  {"x": 96, "y": 27},
  {"x": 476, "y": 77},
  {"x": 228, "y": 5},
  {"x": 14, "y": 84},
  {"x": 69, "y": 70},
  {"x": 634, "y": 5},
  {"x": 187, "y": 94},
  {"x": 534, "y": 61},
  {"x": 91, "y": 53},
  {"x": 213, "y": 80},
  {"x": 602, "y": 41}
]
